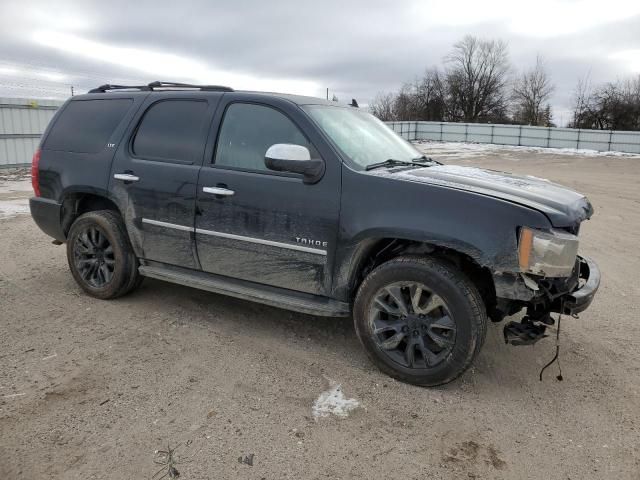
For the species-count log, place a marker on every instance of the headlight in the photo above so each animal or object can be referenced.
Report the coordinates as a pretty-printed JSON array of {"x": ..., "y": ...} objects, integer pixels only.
[{"x": 551, "y": 254}]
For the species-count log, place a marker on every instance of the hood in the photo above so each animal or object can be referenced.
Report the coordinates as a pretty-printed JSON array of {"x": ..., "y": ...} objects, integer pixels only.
[{"x": 564, "y": 207}]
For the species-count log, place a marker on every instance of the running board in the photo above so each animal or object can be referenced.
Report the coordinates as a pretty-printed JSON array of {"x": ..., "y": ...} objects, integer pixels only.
[{"x": 273, "y": 296}]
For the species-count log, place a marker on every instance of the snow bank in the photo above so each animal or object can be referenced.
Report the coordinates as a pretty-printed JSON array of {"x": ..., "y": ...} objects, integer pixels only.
[{"x": 470, "y": 150}]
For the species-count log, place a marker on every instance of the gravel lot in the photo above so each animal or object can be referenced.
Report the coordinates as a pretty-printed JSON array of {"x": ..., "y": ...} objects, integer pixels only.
[{"x": 90, "y": 389}]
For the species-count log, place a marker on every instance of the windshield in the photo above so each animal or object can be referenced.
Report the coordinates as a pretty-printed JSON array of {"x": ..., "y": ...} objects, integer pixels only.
[{"x": 363, "y": 138}]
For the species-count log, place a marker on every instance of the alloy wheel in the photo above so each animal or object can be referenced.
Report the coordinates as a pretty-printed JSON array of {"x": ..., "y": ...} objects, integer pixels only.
[
  {"x": 94, "y": 257},
  {"x": 412, "y": 325}
]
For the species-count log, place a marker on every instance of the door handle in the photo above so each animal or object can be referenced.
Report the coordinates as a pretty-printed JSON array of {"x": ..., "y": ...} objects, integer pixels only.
[
  {"x": 126, "y": 177},
  {"x": 218, "y": 191}
]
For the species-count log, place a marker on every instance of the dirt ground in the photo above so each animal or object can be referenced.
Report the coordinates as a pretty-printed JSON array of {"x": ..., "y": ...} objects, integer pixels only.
[{"x": 91, "y": 389}]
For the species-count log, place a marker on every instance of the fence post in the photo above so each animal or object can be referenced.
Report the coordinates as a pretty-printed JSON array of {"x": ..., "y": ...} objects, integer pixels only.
[
  {"x": 520, "y": 136},
  {"x": 466, "y": 132},
  {"x": 415, "y": 132},
  {"x": 548, "y": 137},
  {"x": 440, "y": 131},
  {"x": 578, "y": 142},
  {"x": 492, "y": 127},
  {"x": 610, "y": 135}
]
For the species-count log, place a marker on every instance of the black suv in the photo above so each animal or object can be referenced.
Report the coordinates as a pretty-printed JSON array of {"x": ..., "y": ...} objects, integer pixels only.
[{"x": 310, "y": 206}]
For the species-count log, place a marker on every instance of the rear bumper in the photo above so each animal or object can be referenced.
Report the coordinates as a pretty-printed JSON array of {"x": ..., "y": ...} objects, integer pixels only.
[
  {"x": 46, "y": 214},
  {"x": 579, "y": 299}
]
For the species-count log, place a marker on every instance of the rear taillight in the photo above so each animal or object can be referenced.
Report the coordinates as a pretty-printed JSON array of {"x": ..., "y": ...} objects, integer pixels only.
[{"x": 35, "y": 173}]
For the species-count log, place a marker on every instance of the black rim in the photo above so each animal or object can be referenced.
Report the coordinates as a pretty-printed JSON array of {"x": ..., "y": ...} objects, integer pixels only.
[
  {"x": 94, "y": 257},
  {"x": 412, "y": 325}
]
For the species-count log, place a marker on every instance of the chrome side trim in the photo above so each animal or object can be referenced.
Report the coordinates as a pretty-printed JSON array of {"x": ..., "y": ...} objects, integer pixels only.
[
  {"x": 259, "y": 241},
  {"x": 158, "y": 223}
]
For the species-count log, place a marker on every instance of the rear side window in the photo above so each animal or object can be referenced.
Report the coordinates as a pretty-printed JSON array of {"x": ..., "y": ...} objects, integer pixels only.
[
  {"x": 171, "y": 130},
  {"x": 85, "y": 125}
]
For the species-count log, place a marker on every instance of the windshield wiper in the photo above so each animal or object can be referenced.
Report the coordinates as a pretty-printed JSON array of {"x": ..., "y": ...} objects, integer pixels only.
[
  {"x": 390, "y": 162},
  {"x": 425, "y": 159}
]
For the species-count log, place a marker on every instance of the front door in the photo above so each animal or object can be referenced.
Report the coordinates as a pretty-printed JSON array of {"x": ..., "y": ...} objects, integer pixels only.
[
  {"x": 263, "y": 226},
  {"x": 155, "y": 173}
]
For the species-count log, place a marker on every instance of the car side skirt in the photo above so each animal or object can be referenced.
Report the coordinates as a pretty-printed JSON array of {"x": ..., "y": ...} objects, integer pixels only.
[{"x": 245, "y": 290}]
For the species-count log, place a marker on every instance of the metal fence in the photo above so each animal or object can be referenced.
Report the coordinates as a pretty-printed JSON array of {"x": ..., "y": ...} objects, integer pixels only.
[
  {"x": 22, "y": 122},
  {"x": 600, "y": 140}
]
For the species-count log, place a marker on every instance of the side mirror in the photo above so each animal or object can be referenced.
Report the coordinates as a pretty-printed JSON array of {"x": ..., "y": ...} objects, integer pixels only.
[{"x": 286, "y": 157}]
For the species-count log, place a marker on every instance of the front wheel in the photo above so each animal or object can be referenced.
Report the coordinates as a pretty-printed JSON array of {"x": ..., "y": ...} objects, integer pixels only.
[
  {"x": 100, "y": 256},
  {"x": 420, "y": 320}
]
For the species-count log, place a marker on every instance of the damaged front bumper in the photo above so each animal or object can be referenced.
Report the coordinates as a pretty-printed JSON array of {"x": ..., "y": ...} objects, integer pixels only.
[
  {"x": 541, "y": 297},
  {"x": 570, "y": 295},
  {"x": 579, "y": 299}
]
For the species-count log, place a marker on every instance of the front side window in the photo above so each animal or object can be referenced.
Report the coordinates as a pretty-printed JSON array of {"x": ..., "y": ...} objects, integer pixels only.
[
  {"x": 171, "y": 130},
  {"x": 248, "y": 130},
  {"x": 362, "y": 138}
]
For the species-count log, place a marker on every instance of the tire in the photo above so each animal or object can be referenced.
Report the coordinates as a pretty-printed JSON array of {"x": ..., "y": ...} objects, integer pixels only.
[
  {"x": 420, "y": 320},
  {"x": 100, "y": 256}
]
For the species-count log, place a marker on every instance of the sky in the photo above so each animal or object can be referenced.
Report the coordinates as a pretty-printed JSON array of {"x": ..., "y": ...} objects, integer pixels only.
[{"x": 355, "y": 48}]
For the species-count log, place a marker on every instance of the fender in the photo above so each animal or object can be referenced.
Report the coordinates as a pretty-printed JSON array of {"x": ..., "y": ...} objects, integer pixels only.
[
  {"x": 354, "y": 256},
  {"x": 481, "y": 227},
  {"x": 68, "y": 206}
]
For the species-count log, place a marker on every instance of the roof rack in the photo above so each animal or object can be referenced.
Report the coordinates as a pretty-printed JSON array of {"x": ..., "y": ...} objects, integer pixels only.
[
  {"x": 107, "y": 88},
  {"x": 154, "y": 86}
]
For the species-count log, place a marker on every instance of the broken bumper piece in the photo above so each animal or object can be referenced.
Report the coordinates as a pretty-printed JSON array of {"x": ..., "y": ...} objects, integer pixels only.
[{"x": 580, "y": 298}]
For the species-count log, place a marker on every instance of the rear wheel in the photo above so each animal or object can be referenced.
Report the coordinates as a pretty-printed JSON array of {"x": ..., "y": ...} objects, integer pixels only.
[
  {"x": 420, "y": 320},
  {"x": 100, "y": 256}
]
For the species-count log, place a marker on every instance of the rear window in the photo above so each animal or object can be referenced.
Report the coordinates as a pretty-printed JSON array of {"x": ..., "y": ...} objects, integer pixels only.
[
  {"x": 171, "y": 130},
  {"x": 86, "y": 125}
]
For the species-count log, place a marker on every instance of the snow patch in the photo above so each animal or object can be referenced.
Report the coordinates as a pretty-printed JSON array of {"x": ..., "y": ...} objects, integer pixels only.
[
  {"x": 13, "y": 207},
  {"x": 14, "y": 196},
  {"x": 16, "y": 186},
  {"x": 333, "y": 402},
  {"x": 469, "y": 150}
]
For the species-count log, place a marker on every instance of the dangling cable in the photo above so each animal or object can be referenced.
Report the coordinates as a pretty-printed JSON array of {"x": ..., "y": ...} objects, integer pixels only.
[{"x": 556, "y": 356}]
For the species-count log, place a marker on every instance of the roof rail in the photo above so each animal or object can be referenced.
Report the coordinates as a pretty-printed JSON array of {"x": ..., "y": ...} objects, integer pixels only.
[
  {"x": 153, "y": 86},
  {"x": 107, "y": 87},
  {"x": 208, "y": 88}
]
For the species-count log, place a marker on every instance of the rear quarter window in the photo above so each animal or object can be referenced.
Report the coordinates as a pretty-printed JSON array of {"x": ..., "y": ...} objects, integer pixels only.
[{"x": 85, "y": 126}]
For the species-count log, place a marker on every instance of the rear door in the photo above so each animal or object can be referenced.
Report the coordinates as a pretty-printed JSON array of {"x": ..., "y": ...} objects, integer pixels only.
[
  {"x": 268, "y": 227},
  {"x": 155, "y": 174}
]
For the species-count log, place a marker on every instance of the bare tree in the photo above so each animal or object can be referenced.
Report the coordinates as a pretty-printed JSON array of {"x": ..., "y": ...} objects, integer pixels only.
[
  {"x": 429, "y": 94},
  {"x": 421, "y": 100},
  {"x": 476, "y": 76},
  {"x": 547, "y": 117},
  {"x": 613, "y": 105},
  {"x": 582, "y": 101},
  {"x": 382, "y": 106},
  {"x": 404, "y": 103},
  {"x": 530, "y": 91}
]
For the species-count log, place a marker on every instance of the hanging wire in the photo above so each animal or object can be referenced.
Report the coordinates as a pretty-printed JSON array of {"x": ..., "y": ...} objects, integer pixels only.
[{"x": 556, "y": 357}]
